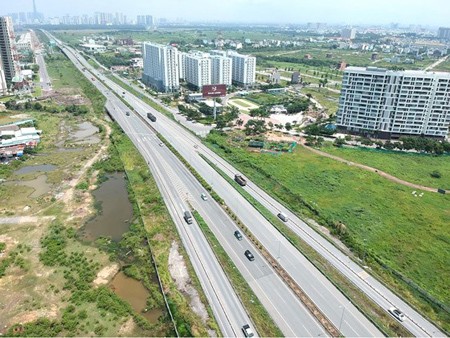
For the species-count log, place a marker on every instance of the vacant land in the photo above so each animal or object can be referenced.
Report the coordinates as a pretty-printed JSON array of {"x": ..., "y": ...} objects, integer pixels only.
[
  {"x": 408, "y": 234},
  {"x": 411, "y": 167}
]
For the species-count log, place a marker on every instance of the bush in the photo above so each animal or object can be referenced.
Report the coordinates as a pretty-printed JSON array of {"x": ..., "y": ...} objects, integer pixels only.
[{"x": 436, "y": 174}]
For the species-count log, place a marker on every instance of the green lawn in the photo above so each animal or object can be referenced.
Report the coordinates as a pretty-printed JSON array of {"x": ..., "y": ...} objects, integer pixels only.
[
  {"x": 408, "y": 234},
  {"x": 414, "y": 168},
  {"x": 327, "y": 98},
  {"x": 243, "y": 103}
]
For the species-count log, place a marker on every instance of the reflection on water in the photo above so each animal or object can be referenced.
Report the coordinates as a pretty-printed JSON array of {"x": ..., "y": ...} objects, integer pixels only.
[
  {"x": 134, "y": 293},
  {"x": 116, "y": 210}
]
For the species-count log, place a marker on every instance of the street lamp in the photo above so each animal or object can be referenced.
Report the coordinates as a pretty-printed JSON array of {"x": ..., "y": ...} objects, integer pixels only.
[{"x": 342, "y": 317}]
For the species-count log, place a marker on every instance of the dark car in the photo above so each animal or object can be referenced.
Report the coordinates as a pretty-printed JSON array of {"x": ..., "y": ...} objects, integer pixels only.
[
  {"x": 249, "y": 255},
  {"x": 127, "y": 113},
  {"x": 238, "y": 235}
]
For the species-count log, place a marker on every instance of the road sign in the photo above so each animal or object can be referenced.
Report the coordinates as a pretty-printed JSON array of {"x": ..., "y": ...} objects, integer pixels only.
[{"x": 214, "y": 90}]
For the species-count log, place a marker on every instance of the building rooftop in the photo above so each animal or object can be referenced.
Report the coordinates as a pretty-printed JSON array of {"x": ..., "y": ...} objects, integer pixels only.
[{"x": 398, "y": 72}]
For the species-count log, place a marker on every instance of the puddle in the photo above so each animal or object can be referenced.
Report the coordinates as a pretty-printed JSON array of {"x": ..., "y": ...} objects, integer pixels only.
[
  {"x": 86, "y": 133},
  {"x": 35, "y": 168},
  {"x": 39, "y": 185},
  {"x": 116, "y": 211},
  {"x": 134, "y": 293}
]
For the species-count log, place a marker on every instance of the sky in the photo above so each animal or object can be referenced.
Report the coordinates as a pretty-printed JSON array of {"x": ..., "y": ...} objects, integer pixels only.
[{"x": 405, "y": 12}]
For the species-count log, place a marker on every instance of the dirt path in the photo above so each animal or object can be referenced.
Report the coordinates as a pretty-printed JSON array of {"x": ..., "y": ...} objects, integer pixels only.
[
  {"x": 374, "y": 170},
  {"x": 68, "y": 195},
  {"x": 26, "y": 219}
]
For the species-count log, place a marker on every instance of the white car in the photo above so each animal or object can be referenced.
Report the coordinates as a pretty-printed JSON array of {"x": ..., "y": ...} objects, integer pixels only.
[
  {"x": 204, "y": 197},
  {"x": 397, "y": 313}
]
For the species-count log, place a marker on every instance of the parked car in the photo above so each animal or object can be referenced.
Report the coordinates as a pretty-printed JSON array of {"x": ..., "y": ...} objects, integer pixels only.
[
  {"x": 238, "y": 235},
  {"x": 204, "y": 197},
  {"x": 249, "y": 255},
  {"x": 397, "y": 313}
]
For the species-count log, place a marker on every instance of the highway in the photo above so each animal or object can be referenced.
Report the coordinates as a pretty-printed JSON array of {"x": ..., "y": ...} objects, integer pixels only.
[
  {"x": 45, "y": 80},
  {"x": 177, "y": 186},
  {"x": 343, "y": 314}
]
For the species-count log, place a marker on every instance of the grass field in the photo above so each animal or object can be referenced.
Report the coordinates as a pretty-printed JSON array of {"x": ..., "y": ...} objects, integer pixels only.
[
  {"x": 328, "y": 99},
  {"x": 408, "y": 234},
  {"x": 415, "y": 168}
]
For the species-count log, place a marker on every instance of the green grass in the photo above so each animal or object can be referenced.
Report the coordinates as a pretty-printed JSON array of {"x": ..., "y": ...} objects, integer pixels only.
[
  {"x": 242, "y": 103},
  {"x": 260, "y": 317},
  {"x": 411, "y": 167},
  {"x": 328, "y": 99},
  {"x": 409, "y": 235}
]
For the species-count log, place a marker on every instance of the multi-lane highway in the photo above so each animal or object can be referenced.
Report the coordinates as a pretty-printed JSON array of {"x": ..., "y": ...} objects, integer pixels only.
[{"x": 337, "y": 308}]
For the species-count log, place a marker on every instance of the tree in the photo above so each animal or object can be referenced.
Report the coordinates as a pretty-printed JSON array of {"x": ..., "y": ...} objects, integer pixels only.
[
  {"x": 339, "y": 142},
  {"x": 288, "y": 126},
  {"x": 255, "y": 127}
]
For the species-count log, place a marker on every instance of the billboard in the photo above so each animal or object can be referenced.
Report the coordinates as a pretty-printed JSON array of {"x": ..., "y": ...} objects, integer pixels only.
[{"x": 214, "y": 90}]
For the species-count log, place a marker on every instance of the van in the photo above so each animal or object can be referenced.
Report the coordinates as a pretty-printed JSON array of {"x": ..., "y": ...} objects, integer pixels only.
[
  {"x": 188, "y": 217},
  {"x": 283, "y": 217}
]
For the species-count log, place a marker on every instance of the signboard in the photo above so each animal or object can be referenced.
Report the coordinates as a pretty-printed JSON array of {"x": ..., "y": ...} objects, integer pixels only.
[{"x": 214, "y": 90}]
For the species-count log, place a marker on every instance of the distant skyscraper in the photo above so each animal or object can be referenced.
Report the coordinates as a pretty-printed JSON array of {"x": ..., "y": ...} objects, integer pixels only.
[
  {"x": 145, "y": 20},
  {"x": 444, "y": 33},
  {"x": 161, "y": 69},
  {"x": 8, "y": 52},
  {"x": 348, "y": 33}
]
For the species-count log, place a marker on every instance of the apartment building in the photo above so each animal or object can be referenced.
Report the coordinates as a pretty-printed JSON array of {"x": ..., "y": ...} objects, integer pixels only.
[
  {"x": 221, "y": 70},
  {"x": 197, "y": 69},
  {"x": 390, "y": 104},
  {"x": 8, "y": 52},
  {"x": 161, "y": 69},
  {"x": 444, "y": 33},
  {"x": 243, "y": 68}
]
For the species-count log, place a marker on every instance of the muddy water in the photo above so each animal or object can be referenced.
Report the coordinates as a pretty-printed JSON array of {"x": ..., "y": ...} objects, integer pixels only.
[
  {"x": 86, "y": 133},
  {"x": 134, "y": 293},
  {"x": 39, "y": 184},
  {"x": 116, "y": 211},
  {"x": 34, "y": 168}
]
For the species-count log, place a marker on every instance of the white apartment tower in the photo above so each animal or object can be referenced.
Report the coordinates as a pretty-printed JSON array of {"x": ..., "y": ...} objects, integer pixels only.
[
  {"x": 198, "y": 69},
  {"x": 161, "y": 69},
  {"x": 221, "y": 70},
  {"x": 243, "y": 68},
  {"x": 3, "y": 86},
  {"x": 394, "y": 103},
  {"x": 8, "y": 52}
]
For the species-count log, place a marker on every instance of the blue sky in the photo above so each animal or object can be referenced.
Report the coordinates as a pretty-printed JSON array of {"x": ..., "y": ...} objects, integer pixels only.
[{"x": 420, "y": 12}]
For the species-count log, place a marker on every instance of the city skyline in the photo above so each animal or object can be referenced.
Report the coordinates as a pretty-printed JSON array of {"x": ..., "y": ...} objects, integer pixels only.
[{"x": 258, "y": 11}]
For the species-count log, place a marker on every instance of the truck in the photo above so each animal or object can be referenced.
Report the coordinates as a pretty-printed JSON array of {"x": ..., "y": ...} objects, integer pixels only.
[
  {"x": 188, "y": 217},
  {"x": 239, "y": 179},
  {"x": 151, "y": 117}
]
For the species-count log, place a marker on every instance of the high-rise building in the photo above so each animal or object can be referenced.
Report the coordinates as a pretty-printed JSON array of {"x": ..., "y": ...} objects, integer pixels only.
[
  {"x": 3, "y": 85},
  {"x": 161, "y": 69},
  {"x": 198, "y": 69},
  {"x": 444, "y": 33},
  {"x": 145, "y": 20},
  {"x": 348, "y": 33},
  {"x": 8, "y": 52},
  {"x": 243, "y": 68},
  {"x": 221, "y": 70},
  {"x": 394, "y": 103}
]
